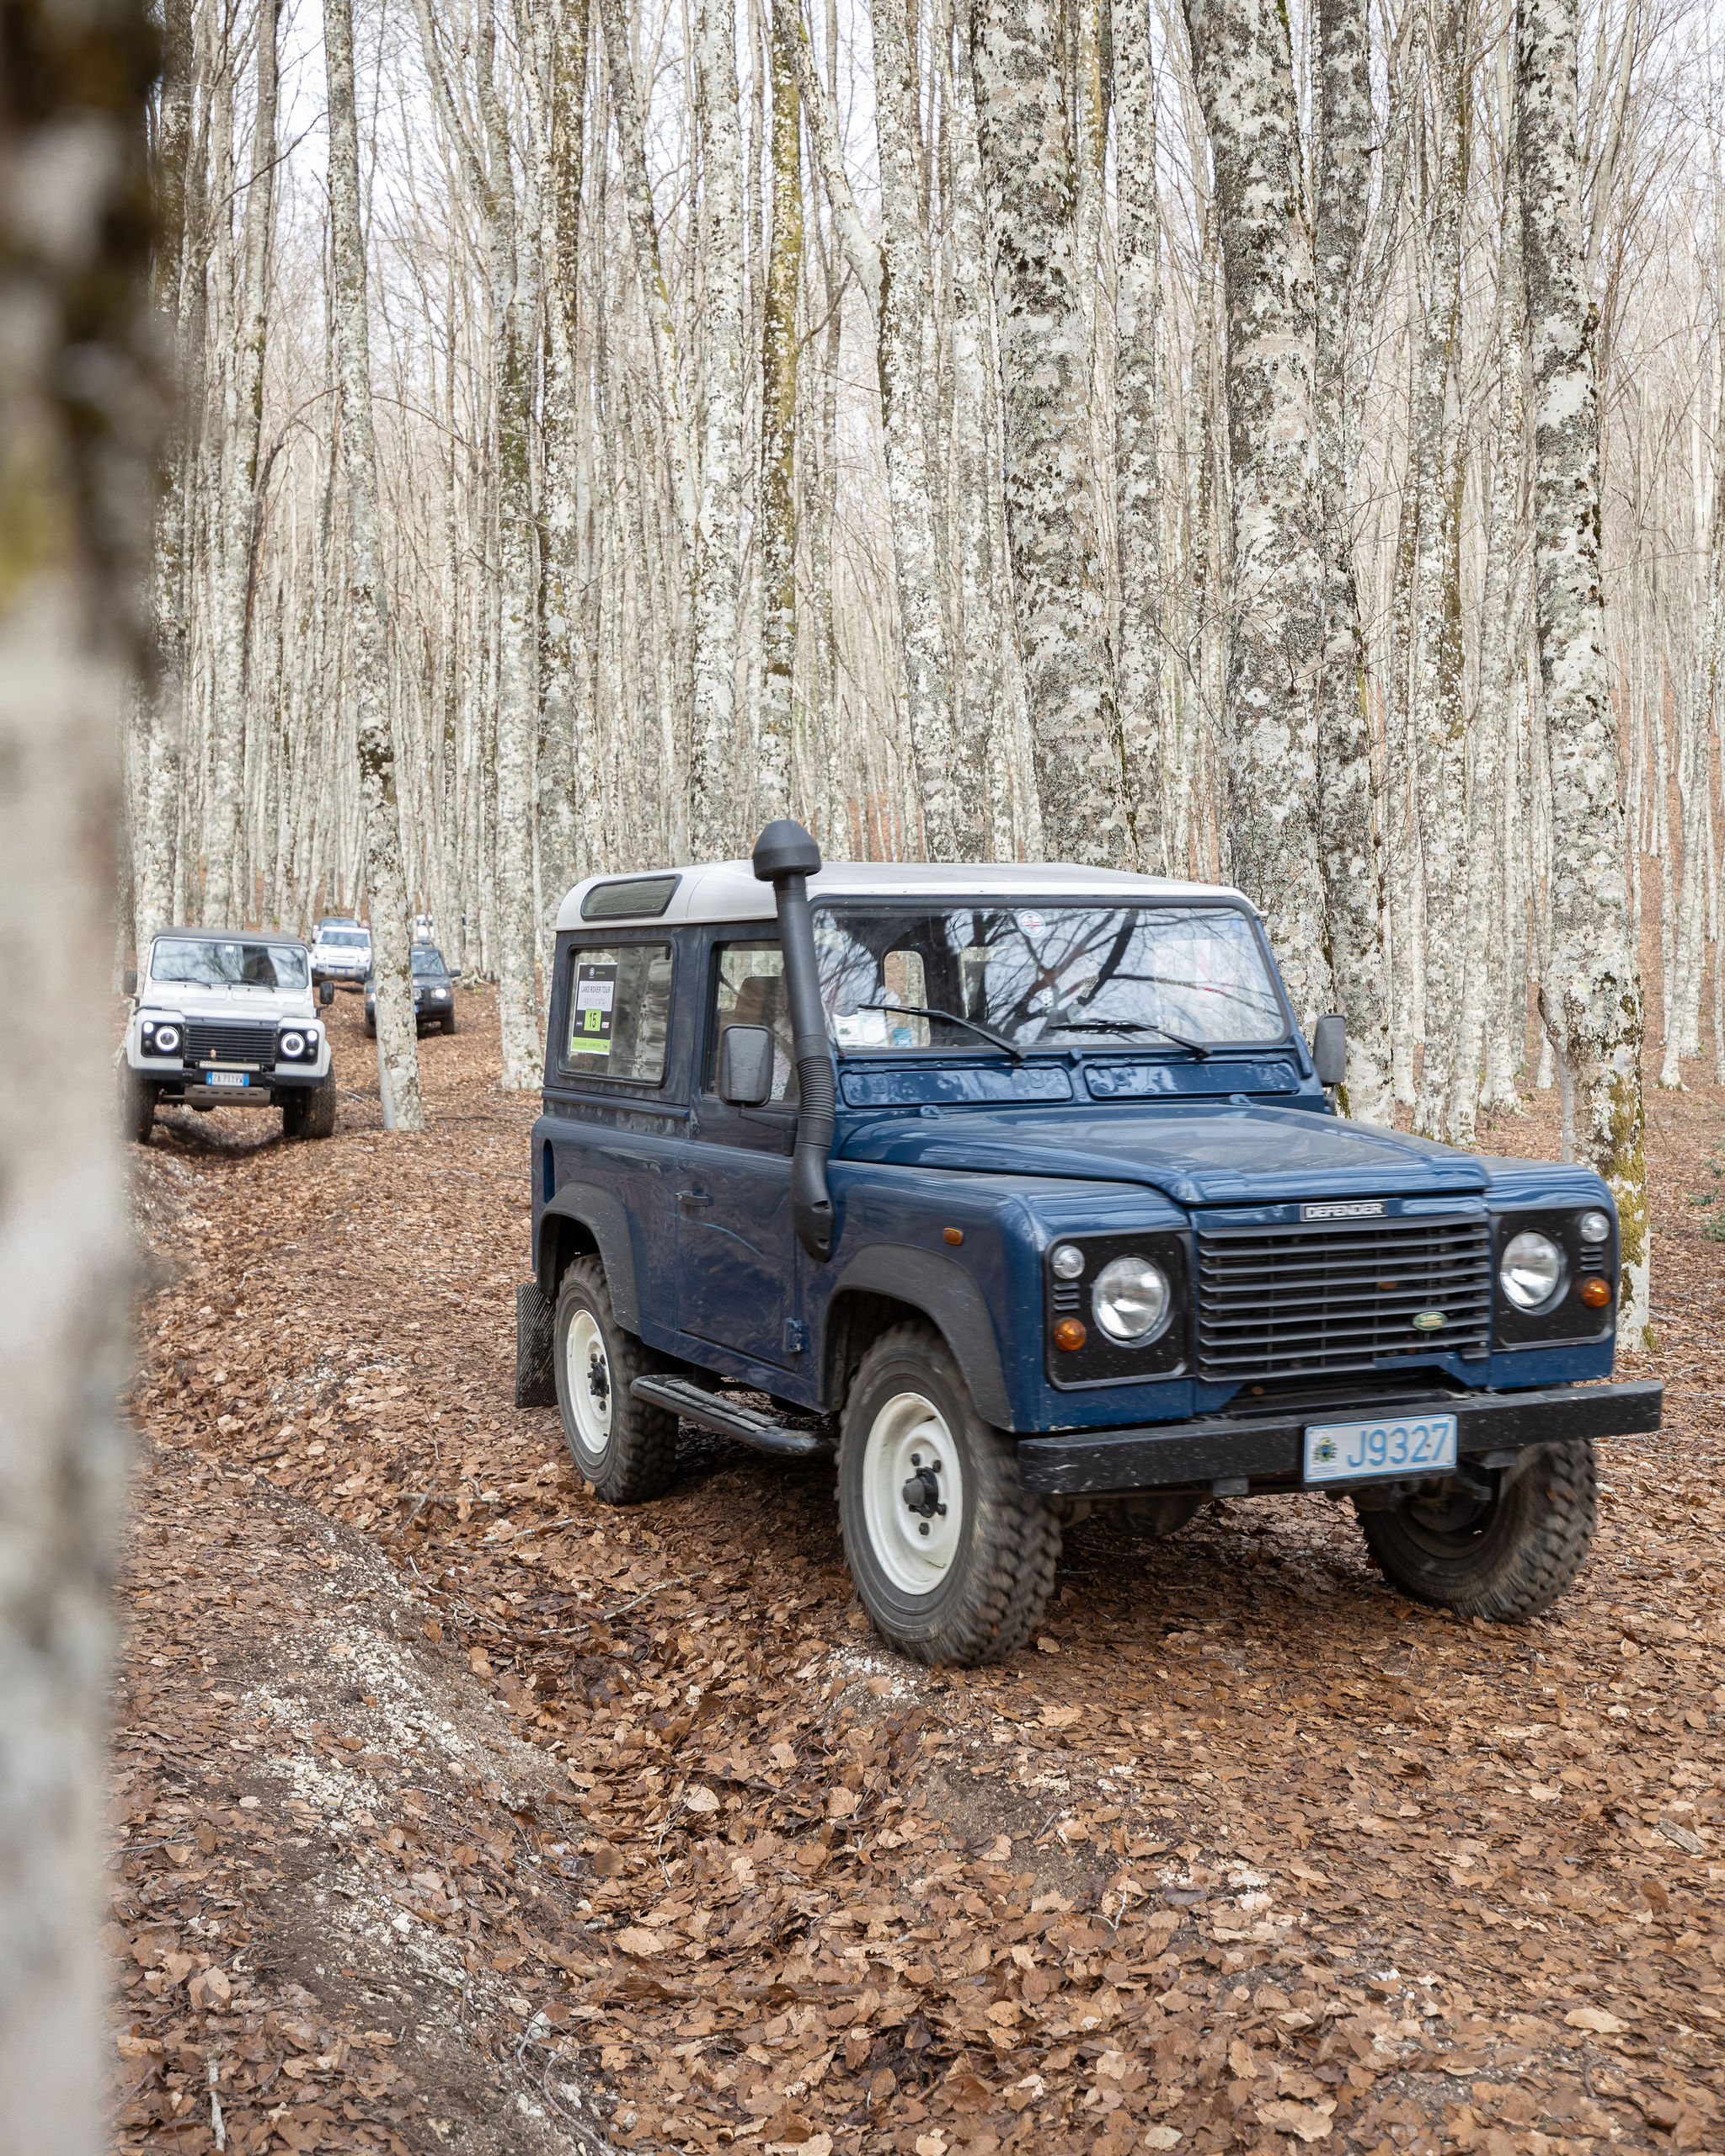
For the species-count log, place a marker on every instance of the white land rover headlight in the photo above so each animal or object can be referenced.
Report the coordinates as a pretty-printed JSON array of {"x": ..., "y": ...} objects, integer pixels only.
[
  {"x": 293, "y": 1044},
  {"x": 1131, "y": 1301},
  {"x": 1530, "y": 1270},
  {"x": 160, "y": 1040}
]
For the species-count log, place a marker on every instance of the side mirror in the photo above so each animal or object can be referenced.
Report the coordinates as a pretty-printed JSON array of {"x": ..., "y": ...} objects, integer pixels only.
[
  {"x": 326, "y": 993},
  {"x": 1329, "y": 1050},
  {"x": 746, "y": 1065},
  {"x": 129, "y": 981}
]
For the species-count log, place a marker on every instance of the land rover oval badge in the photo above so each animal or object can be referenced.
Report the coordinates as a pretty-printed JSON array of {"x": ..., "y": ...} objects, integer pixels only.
[{"x": 1430, "y": 1321}]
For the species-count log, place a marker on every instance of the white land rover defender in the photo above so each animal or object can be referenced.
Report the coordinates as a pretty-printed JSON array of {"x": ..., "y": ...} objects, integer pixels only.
[{"x": 228, "y": 1021}]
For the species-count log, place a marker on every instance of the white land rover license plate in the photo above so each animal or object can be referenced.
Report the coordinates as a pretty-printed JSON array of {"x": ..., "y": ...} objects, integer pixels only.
[
  {"x": 228, "y": 1078},
  {"x": 1353, "y": 1452}
]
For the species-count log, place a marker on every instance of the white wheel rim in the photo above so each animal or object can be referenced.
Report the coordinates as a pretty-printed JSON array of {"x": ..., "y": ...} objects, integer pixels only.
[
  {"x": 588, "y": 1370},
  {"x": 915, "y": 1536}
]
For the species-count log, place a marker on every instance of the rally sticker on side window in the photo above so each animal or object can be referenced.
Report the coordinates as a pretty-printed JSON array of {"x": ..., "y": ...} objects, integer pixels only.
[{"x": 595, "y": 997}]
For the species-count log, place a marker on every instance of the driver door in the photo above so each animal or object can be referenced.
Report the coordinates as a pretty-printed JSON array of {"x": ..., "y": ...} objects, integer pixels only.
[{"x": 736, "y": 1246}]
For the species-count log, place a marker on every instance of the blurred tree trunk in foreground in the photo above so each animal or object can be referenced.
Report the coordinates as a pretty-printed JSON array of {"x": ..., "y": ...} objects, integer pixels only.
[{"x": 77, "y": 421}]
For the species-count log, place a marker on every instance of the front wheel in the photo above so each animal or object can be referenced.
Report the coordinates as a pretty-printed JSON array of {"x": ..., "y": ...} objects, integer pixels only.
[
  {"x": 625, "y": 1450},
  {"x": 953, "y": 1561},
  {"x": 449, "y": 1021},
  {"x": 319, "y": 1118},
  {"x": 137, "y": 1106},
  {"x": 1507, "y": 1556}
]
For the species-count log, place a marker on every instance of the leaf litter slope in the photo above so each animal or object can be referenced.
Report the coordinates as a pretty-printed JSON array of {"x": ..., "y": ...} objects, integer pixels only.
[{"x": 628, "y": 1826}]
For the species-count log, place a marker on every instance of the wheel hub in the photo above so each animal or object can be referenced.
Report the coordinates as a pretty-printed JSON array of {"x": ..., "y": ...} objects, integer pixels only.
[
  {"x": 913, "y": 1493},
  {"x": 587, "y": 1371}
]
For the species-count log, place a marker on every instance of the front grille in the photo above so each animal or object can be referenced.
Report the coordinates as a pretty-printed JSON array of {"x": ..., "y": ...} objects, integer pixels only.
[
  {"x": 212, "y": 1040},
  {"x": 1296, "y": 1301}
]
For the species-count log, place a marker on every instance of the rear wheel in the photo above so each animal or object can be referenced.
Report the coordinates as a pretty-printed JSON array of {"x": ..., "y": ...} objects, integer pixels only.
[
  {"x": 625, "y": 1450},
  {"x": 137, "y": 1106},
  {"x": 1507, "y": 1556},
  {"x": 952, "y": 1561}
]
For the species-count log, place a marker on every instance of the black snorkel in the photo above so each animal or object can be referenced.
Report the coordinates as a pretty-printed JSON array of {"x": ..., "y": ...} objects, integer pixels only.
[{"x": 786, "y": 856}]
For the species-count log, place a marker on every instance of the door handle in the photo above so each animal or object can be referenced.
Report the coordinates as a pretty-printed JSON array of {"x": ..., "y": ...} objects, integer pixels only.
[{"x": 690, "y": 1200}]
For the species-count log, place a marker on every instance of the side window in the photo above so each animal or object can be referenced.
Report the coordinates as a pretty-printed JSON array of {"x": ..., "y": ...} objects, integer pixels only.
[
  {"x": 749, "y": 990},
  {"x": 619, "y": 1012}
]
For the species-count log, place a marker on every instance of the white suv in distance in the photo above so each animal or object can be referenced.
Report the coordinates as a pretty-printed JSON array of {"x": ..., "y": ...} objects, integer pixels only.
[
  {"x": 341, "y": 951},
  {"x": 228, "y": 1021}
]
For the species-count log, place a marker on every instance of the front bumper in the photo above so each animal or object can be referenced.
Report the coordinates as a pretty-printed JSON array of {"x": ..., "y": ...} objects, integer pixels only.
[{"x": 1232, "y": 1454}]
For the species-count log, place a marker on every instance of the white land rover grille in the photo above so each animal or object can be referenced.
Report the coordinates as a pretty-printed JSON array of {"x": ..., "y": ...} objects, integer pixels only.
[
  {"x": 212, "y": 1041},
  {"x": 1302, "y": 1300}
]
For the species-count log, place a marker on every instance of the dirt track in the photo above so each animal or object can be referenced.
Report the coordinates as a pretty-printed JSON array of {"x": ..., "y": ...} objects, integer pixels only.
[{"x": 469, "y": 1815}]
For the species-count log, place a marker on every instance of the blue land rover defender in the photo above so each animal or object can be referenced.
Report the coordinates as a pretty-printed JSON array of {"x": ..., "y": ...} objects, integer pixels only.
[{"x": 1021, "y": 1185}]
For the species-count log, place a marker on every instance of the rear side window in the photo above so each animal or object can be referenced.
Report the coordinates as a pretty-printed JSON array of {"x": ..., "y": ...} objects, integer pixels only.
[{"x": 619, "y": 1012}]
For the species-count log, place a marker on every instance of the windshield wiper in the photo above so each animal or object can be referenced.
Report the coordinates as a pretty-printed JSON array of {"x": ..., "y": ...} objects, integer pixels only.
[
  {"x": 1132, "y": 1026},
  {"x": 952, "y": 1017}
]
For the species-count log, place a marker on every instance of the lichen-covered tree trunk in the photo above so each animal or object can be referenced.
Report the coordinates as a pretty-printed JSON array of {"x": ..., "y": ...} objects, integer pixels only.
[
  {"x": 778, "y": 429},
  {"x": 715, "y": 810},
  {"x": 1347, "y": 842},
  {"x": 160, "y": 719},
  {"x": 1438, "y": 714},
  {"x": 77, "y": 410},
  {"x": 1138, "y": 506},
  {"x": 1030, "y": 170},
  {"x": 904, "y": 340},
  {"x": 227, "y": 897},
  {"x": 1245, "y": 77},
  {"x": 1589, "y": 982},
  {"x": 1480, "y": 923},
  {"x": 386, "y": 885}
]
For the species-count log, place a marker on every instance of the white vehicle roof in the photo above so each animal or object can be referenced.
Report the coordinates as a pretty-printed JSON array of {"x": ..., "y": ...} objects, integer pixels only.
[
  {"x": 727, "y": 890},
  {"x": 227, "y": 936}
]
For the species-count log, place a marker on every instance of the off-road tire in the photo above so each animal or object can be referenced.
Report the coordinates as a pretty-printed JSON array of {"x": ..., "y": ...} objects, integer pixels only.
[
  {"x": 370, "y": 1026},
  {"x": 637, "y": 1456},
  {"x": 293, "y": 1113},
  {"x": 320, "y": 1110},
  {"x": 1007, "y": 1541},
  {"x": 137, "y": 1106},
  {"x": 448, "y": 1021},
  {"x": 1512, "y": 1562}
]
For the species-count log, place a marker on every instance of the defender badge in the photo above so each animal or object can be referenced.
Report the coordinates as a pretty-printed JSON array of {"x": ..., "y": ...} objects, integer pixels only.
[{"x": 1344, "y": 1208}]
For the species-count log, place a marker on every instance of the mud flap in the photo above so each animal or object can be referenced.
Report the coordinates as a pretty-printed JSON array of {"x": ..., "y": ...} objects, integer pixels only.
[{"x": 536, "y": 1384}]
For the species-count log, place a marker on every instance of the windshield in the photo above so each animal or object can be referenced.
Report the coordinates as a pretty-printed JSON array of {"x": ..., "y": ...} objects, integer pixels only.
[
  {"x": 428, "y": 962},
  {"x": 346, "y": 939},
  {"x": 198, "y": 962},
  {"x": 1093, "y": 977}
]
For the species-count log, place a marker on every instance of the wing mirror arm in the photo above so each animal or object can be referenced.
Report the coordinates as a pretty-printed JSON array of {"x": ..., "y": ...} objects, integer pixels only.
[{"x": 787, "y": 856}]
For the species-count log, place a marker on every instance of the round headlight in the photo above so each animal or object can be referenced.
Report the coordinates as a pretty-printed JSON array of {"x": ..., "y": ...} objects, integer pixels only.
[
  {"x": 293, "y": 1043},
  {"x": 1131, "y": 1301},
  {"x": 1595, "y": 1227},
  {"x": 1531, "y": 1270},
  {"x": 1067, "y": 1262},
  {"x": 166, "y": 1039}
]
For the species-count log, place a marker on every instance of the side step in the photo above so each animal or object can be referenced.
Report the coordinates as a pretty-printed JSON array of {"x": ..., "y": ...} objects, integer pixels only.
[{"x": 712, "y": 1410}]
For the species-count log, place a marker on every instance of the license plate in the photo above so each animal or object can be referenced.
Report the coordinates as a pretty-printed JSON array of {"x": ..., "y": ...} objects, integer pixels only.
[
  {"x": 228, "y": 1078},
  {"x": 1354, "y": 1452}
]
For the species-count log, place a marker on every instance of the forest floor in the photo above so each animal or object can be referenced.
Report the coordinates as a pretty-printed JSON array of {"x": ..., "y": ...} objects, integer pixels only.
[{"x": 453, "y": 1811}]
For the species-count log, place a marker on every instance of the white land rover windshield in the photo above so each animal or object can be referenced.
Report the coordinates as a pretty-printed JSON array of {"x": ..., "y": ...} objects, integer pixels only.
[
  {"x": 1048, "y": 976},
  {"x": 209, "y": 961}
]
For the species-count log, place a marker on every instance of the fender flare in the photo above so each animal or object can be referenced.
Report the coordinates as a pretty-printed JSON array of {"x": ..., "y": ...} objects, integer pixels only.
[
  {"x": 602, "y": 1213},
  {"x": 950, "y": 1298}
]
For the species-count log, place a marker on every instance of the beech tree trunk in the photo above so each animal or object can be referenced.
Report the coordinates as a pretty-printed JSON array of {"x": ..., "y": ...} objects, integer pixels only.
[
  {"x": 1030, "y": 169},
  {"x": 386, "y": 885},
  {"x": 77, "y": 410},
  {"x": 1347, "y": 842},
  {"x": 778, "y": 430},
  {"x": 1589, "y": 982},
  {"x": 1244, "y": 78}
]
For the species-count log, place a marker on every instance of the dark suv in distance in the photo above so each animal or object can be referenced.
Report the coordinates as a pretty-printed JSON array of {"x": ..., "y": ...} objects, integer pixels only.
[
  {"x": 1024, "y": 1182},
  {"x": 434, "y": 992}
]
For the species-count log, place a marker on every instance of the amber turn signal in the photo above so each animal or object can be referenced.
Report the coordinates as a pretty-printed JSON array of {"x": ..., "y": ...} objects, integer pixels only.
[
  {"x": 1595, "y": 1293},
  {"x": 1069, "y": 1333},
  {"x": 953, "y": 1235}
]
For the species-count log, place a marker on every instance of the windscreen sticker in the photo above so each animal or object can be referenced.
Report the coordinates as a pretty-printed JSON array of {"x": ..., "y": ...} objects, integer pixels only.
[{"x": 595, "y": 998}]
